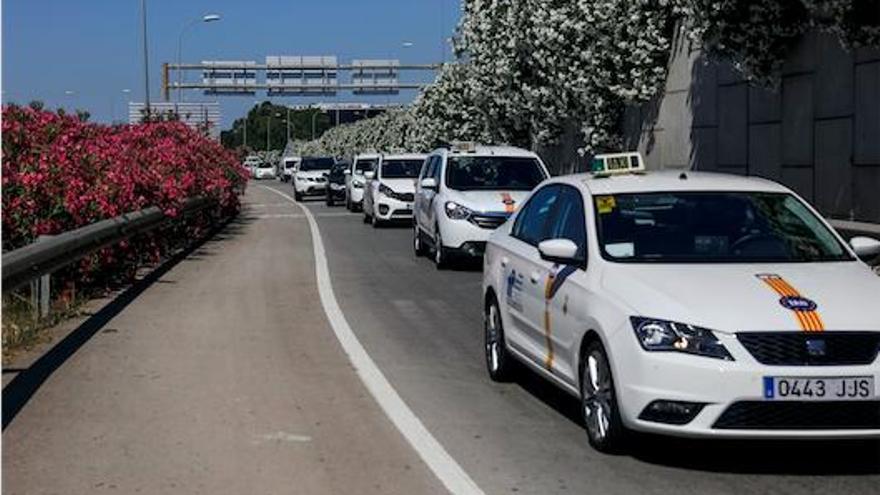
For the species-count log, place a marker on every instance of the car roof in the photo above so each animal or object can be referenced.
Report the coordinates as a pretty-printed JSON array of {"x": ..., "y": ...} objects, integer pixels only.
[
  {"x": 670, "y": 180},
  {"x": 485, "y": 150},
  {"x": 403, "y": 156}
]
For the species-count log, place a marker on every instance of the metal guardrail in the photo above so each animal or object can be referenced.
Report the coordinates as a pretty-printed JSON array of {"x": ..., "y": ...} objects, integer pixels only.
[{"x": 25, "y": 264}]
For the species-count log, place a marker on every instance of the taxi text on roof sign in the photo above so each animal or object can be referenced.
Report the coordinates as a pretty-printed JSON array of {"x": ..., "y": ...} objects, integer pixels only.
[
  {"x": 464, "y": 146},
  {"x": 617, "y": 163}
]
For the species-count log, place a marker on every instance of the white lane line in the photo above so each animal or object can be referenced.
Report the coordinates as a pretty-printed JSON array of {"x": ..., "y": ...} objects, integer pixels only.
[{"x": 447, "y": 470}]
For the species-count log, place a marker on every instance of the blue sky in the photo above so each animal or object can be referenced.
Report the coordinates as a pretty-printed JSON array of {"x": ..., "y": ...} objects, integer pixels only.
[{"x": 83, "y": 53}]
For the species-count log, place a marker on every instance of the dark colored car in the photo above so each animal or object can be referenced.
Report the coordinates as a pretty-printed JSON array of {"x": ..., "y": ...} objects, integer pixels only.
[{"x": 336, "y": 182}]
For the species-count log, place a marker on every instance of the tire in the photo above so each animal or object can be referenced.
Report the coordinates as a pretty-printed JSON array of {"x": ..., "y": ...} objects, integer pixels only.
[
  {"x": 367, "y": 218},
  {"x": 376, "y": 221},
  {"x": 605, "y": 430},
  {"x": 348, "y": 202},
  {"x": 441, "y": 254},
  {"x": 297, "y": 196},
  {"x": 419, "y": 248},
  {"x": 499, "y": 363},
  {"x": 329, "y": 199}
]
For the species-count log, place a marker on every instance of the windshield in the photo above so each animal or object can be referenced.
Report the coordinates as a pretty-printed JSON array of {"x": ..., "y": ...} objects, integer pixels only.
[
  {"x": 401, "y": 169},
  {"x": 315, "y": 164},
  {"x": 364, "y": 165},
  {"x": 465, "y": 173},
  {"x": 289, "y": 163},
  {"x": 712, "y": 227},
  {"x": 265, "y": 165}
]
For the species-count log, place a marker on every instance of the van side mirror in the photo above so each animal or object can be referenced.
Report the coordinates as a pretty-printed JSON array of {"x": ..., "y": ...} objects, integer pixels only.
[
  {"x": 865, "y": 247},
  {"x": 429, "y": 183},
  {"x": 562, "y": 251}
]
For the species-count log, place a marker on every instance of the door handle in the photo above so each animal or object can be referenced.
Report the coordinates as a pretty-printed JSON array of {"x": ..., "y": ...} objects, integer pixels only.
[
  {"x": 504, "y": 262},
  {"x": 534, "y": 277}
]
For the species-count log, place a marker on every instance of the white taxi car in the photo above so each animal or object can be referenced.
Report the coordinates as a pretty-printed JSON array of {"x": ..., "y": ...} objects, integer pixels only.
[
  {"x": 355, "y": 180},
  {"x": 388, "y": 194},
  {"x": 687, "y": 304},
  {"x": 310, "y": 177},
  {"x": 466, "y": 192}
]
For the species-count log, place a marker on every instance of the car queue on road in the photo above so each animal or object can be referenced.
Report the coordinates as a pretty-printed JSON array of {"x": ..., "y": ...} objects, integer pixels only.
[{"x": 675, "y": 302}]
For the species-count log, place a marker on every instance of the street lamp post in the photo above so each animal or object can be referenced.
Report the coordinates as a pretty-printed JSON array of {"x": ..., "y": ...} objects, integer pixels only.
[
  {"x": 205, "y": 18},
  {"x": 146, "y": 58},
  {"x": 314, "y": 116}
]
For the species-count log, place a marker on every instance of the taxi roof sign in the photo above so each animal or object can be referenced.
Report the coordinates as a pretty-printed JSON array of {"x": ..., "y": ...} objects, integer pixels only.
[
  {"x": 617, "y": 163},
  {"x": 464, "y": 146}
]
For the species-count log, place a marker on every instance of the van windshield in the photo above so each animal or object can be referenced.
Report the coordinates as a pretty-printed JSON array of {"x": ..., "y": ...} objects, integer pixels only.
[
  {"x": 315, "y": 164},
  {"x": 466, "y": 173}
]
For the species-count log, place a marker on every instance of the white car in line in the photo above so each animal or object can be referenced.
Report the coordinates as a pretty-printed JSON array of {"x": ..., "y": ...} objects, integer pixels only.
[
  {"x": 687, "y": 304},
  {"x": 389, "y": 191},
  {"x": 251, "y": 162},
  {"x": 310, "y": 178},
  {"x": 289, "y": 165},
  {"x": 264, "y": 170},
  {"x": 355, "y": 180},
  {"x": 466, "y": 192}
]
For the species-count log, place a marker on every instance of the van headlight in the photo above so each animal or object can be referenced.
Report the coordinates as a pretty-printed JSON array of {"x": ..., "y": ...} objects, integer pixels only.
[
  {"x": 662, "y": 335},
  {"x": 456, "y": 211},
  {"x": 387, "y": 191}
]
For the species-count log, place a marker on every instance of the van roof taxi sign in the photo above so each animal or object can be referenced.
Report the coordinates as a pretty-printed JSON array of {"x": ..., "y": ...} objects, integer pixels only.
[{"x": 617, "y": 163}]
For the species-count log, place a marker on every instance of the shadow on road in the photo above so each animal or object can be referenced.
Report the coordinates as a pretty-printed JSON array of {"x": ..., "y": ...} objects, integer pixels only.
[
  {"x": 790, "y": 457},
  {"x": 18, "y": 392}
]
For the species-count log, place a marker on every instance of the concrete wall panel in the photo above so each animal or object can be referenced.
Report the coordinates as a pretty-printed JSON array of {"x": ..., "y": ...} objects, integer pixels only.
[
  {"x": 765, "y": 151},
  {"x": 834, "y": 167},
  {"x": 797, "y": 120}
]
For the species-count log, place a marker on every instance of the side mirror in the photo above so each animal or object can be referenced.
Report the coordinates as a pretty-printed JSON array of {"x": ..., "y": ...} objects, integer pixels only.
[
  {"x": 369, "y": 175},
  {"x": 865, "y": 247},
  {"x": 429, "y": 183},
  {"x": 562, "y": 251}
]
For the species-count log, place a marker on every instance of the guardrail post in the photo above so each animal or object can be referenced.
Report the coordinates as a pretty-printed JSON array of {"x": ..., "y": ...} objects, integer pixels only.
[{"x": 41, "y": 290}]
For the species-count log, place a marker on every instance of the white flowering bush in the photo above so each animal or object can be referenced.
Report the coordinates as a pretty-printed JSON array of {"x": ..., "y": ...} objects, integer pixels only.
[{"x": 528, "y": 68}]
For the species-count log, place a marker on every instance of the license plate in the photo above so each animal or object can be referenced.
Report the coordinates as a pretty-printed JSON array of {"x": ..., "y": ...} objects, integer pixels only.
[{"x": 818, "y": 389}]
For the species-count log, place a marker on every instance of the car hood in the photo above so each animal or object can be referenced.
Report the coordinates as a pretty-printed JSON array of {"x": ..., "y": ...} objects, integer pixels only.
[
  {"x": 735, "y": 297},
  {"x": 311, "y": 174},
  {"x": 401, "y": 185},
  {"x": 489, "y": 201}
]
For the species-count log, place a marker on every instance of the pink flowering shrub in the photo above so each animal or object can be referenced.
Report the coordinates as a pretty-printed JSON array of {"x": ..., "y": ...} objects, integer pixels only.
[{"x": 60, "y": 173}]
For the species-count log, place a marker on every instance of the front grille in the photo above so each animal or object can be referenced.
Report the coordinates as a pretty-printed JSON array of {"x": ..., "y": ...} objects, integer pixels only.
[
  {"x": 754, "y": 415},
  {"x": 488, "y": 220},
  {"x": 812, "y": 349}
]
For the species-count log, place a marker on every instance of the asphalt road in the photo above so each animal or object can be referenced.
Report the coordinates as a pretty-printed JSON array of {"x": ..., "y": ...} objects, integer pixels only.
[{"x": 224, "y": 377}]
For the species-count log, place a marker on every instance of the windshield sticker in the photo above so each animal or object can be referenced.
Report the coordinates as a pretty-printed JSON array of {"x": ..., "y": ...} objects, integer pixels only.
[
  {"x": 605, "y": 204},
  {"x": 509, "y": 202},
  {"x": 805, "y": 310},
  {"x": 621, "y": 249}
]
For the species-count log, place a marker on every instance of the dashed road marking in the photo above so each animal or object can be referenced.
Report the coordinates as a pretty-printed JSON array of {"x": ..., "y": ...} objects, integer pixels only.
[{"x": 447, "y": 470}]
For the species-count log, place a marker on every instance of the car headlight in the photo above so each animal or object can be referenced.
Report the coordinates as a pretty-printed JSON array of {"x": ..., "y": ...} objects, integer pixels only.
[
  {"x": 387, "y": 191},
  {"x": 662, "y": 335},
  {"x": 456, "y": 211},
  {"x": 357, "y": 184}
]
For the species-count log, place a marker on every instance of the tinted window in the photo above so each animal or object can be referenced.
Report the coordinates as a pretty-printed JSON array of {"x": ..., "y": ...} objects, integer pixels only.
[
  {"x": 428, "y": 167},
  {"x": 569, "y": 222},
  {"x": 533, "y": 221},
  {"x": 364, "y": 164},
  {"x": 465, "y": 173},
  {"x": 712, "y": 227},
  {"x": 315, "y": 164},
  {"x": 401, "y": 169}
]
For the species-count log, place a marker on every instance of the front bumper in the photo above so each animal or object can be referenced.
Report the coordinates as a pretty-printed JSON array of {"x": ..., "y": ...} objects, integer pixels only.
[
  {"x": 336, "y": 193},
  {"x": 308, "y": 188},
  {"x": 464, "y": 235},
  {"x": 730, "y": 395},
  {"x": 356, "y": 194},
  {"x": 387, "y": 208}
]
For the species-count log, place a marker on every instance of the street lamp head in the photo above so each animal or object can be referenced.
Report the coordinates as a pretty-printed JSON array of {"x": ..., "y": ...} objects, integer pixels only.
[{"x": 211, "y": 18}]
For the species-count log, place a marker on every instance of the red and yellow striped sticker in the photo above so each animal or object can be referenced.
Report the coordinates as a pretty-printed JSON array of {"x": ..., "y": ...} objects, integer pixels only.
[{"x": 804, "y": 309}]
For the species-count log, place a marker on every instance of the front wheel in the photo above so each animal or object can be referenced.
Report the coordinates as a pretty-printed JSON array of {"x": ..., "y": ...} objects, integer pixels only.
[
  {"x": 297, "y": 196},
  {"x": 418, "y": 246},
  {"x": 498, "y": 361},
  {"x": 605, "y": 430},
  {"x": 441, "y": 253}
]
